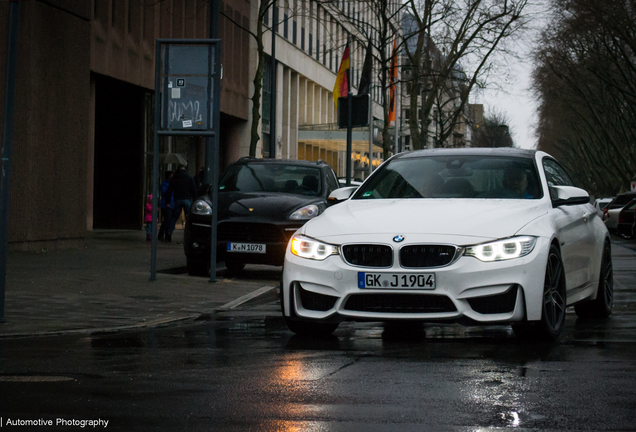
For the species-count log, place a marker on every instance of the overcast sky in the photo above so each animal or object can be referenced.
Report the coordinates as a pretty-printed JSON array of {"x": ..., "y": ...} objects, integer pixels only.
[
  {"x": 516, "y": 99},
  {"x": 517, "y": 103}
]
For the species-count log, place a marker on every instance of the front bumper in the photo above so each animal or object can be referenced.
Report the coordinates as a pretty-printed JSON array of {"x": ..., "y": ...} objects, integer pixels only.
[{"x": 466, "y": 290}]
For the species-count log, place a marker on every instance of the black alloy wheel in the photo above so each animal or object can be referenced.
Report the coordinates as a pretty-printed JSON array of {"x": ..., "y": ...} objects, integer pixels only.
[
  {"x": 554, "y": 299},
  {"x": 554, "y": 303},
  {"x": 601, "y": 307}
]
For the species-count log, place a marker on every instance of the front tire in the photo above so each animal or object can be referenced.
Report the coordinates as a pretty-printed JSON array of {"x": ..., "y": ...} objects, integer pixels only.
[
  {"x": 554, "y": 303},
  {"x": 601, "y": 307}
]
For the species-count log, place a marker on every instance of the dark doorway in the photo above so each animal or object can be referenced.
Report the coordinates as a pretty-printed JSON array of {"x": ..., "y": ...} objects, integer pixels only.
[{"x": 119, "y": 144}]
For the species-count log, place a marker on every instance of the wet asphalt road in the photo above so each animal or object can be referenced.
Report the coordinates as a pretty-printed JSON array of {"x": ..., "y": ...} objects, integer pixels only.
[{"x": 244, "y": 370}]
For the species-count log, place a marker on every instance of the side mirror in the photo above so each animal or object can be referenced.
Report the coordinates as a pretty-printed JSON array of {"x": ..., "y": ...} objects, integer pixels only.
[
  {"x": 341, "y": 194},
  {"x": 568, "y": 195}
]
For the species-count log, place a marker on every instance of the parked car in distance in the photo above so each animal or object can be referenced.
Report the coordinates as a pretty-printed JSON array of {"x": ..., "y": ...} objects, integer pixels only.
[
  {"x": 610, "y": 214},
  {"x": 600, "y": 204},
  {"x": 261, "y": 203},
  {"x": 485, "y": 236},
  {"x": 625, "y": 226}
]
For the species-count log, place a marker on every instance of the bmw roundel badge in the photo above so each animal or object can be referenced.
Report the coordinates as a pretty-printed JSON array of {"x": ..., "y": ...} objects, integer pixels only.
[{"x": 398, "y": 238}]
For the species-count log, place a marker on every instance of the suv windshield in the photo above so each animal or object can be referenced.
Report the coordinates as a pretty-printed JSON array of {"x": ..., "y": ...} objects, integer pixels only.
[
  {"x": 462, "y": 176},
  {"x": 270, "y": 177}
]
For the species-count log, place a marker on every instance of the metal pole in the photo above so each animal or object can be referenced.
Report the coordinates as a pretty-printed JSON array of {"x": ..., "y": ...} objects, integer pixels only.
[
  {"x": 397, "y": 111},
  {"x": 214, "y": 187},
  {"x": 349, "y": 114},
  {"x": 272, "y": 115},
  {"x": 209, "y": 141},
  {"x": 212, "y": 144},
  {"x": 7, "y": 144},
  {"x": 370, "y": 130},
  {"x": 155, "y": 162}
]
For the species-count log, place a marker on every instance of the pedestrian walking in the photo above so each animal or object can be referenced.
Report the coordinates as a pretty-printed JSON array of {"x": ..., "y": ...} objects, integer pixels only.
[
  {"x": 166, "y": 206},
  {"x": 183, "y": 189}
]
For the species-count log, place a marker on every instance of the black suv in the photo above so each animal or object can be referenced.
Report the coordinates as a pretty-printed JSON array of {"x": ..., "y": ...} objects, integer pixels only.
[{"x": 262, "y": 202}]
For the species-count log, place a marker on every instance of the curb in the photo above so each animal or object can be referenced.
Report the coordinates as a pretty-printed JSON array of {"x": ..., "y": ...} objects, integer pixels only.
[{"x": 158, "y": 323}]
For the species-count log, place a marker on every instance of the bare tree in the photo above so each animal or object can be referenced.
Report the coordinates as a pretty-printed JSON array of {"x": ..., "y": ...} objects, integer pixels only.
[
  {"x": 374, "y": 25},
  {"x": 585, "y": 79},
  {"x": 495, "y": 131},
  {"x": 265, "y": 9},
  {"x": 450, "y": 46}
]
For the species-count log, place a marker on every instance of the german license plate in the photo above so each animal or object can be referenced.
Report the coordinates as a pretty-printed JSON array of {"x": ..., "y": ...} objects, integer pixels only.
[
  {"x": 247, "y": 247},
  {"x": 396, "y": 280}
]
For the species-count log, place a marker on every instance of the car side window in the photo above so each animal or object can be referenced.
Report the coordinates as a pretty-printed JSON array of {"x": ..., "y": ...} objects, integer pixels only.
[
  {"x": 555, "y": 174},
  {"x": 332, "y": 181}
]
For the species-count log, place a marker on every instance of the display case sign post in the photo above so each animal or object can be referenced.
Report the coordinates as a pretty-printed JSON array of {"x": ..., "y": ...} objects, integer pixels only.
[{"x": 187, "y": 103}]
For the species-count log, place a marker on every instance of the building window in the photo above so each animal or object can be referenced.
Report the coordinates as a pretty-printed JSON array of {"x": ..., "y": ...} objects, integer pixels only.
[
  {"x": 294, "y": 33},
  {"x": 302, "y": 38},
  {"x": 310, "y": 44},
  {"x": 286, "y": 27},
  {"x": 266, "y": 18},
  {"x": 267, "y": 94},
  {"x": 275, "y": 24}
]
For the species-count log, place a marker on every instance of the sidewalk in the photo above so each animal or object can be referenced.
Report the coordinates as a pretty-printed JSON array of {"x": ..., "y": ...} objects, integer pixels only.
[{"x": 106, "y": 287}]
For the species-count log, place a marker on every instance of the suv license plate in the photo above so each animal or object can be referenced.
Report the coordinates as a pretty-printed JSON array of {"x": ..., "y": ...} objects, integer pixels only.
[
  {"x": 247, "y": 247},
  {"x": 396, "y": 280}
]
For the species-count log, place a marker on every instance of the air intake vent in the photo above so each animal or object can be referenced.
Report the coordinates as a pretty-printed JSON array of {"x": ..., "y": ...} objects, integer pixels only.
[
  {"x": 250, "y": 232},
  {"x": 400, "y": 303},
  {"x": 495, "y": 304},
  {"x": 316, "y": 302}
]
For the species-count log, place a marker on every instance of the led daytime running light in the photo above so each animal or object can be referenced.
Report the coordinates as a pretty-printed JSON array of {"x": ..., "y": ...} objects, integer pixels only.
[
  {"x": 515, "y": 247},
  {"x": 306, "y": 247}
]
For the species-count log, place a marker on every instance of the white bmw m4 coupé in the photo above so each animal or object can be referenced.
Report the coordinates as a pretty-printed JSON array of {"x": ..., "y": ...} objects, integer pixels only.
[{"x": 477, "y": 236}]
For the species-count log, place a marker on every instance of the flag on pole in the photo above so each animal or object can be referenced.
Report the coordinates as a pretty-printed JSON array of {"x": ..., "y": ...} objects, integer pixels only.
[
  {"x": 393, "y": 79},
  {"x": 367, "y": 68},
  {"x": 341, "y": 88}
]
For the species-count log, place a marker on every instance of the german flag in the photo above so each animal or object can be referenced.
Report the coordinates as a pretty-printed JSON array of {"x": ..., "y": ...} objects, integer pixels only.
[
  {"x": 341, "y": 88},
  {"x": 393, "y": 78}
]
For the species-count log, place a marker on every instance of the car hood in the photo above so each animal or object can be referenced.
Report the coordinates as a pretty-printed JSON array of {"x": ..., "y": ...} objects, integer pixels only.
[
  {"x": 459, "y": 221},
  {"x": 263, "y": 205}
]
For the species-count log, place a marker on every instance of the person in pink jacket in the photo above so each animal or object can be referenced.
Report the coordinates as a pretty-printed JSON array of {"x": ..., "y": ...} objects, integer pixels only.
[{"x": 148, "y": 218}]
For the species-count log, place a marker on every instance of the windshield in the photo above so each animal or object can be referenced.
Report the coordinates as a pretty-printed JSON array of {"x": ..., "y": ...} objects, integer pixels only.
[
  {"x": 620, "y": 201},
  {"x": 269, "y": 177},
  {"x": 462, "y": 176}
]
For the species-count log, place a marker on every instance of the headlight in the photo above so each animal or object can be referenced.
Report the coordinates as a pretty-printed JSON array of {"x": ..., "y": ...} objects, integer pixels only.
[
  {"x": 306, "y": 247},
  {"x": 202, "y": 208},
  {"x": 304, "y": 213},
  {"x": 500, "y": 250}
]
